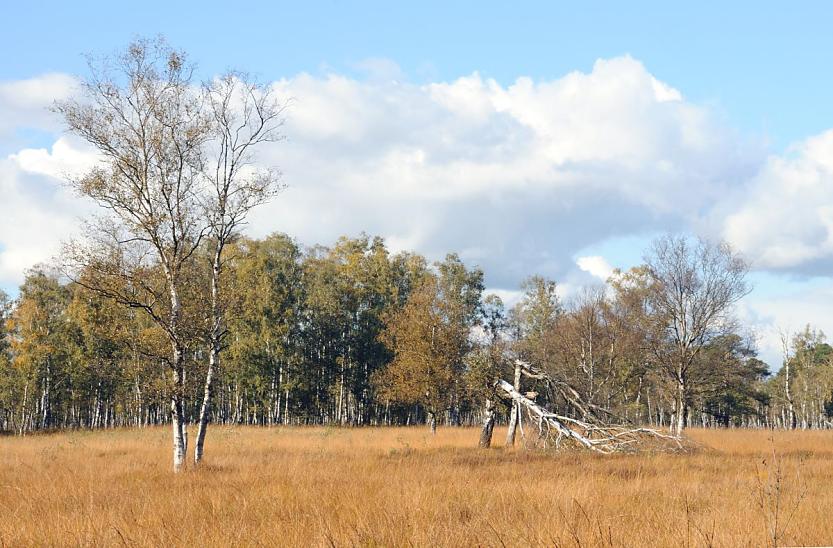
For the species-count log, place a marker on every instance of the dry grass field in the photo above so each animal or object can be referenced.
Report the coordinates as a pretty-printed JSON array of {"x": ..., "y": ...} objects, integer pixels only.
[{"x": 401, "y": 487}]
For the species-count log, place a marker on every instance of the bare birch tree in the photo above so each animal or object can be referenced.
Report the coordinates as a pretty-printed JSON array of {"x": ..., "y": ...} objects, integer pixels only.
[
  {"x": 243, "y": 115},
  {"x": 695, "y": 285},
  {"x": 147, "y": 121}
]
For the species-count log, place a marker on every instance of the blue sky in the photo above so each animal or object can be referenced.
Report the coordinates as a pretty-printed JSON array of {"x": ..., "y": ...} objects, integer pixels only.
[
  {"x": 763, "y": 64},
  {"x": 543, "y": 137}
]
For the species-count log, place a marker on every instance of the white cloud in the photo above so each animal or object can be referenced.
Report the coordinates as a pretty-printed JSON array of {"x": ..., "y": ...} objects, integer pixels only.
[
  {"x": 595, "y": 266},
  {"x": 664, "y": 92},
  {"x": 36, "y": 213},
  {"x": 517, "y": 178},
  {"x": 67, "y": 158},
  {"x": 509, "y": 297},
  {"x": 783, "y": 218},
  {"x": 788, "y": 309},
  {"x": 25, "y": 103}
]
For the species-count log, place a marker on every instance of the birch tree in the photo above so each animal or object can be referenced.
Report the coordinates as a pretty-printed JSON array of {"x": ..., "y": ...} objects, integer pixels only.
[
  {"x": 242, "y": 115},
  {"x": 806, "y": 378},
  {"x": 487, "y": 364},
  {"x": 141, "y": 112},
  {"x": 694, "y": 286},
  {"x": 264, "y": 321}
]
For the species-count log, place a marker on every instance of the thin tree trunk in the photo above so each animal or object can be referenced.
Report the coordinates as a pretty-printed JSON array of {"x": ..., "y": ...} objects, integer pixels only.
[
  {"x": 286, "y": 408},
  {"x": 515, "y": 413},
  {"x": 205, "y": 408},
  {"x": 279, "y": 388},
  {"x": 215, "y": 342},
  {"x": 180, "y": 441},
  {"x": 488, "y": 424},
  {"x": 46, "y": 405},
  {"x": 682, "y": 407},
  {"x": 23, "y": 407},
  {"x": 788, "y": 392},
  {"x": 178, "y": 421}
]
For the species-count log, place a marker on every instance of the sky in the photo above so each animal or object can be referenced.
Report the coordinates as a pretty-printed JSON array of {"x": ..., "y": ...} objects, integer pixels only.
[{"x": 551, "y": 138}]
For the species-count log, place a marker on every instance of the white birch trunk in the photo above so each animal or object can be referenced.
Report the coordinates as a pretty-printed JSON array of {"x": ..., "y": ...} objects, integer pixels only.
[
  {"x": 514, "y": 414},
  {"x": 177, "y": 393},
  {"x": 544, "y": 416},
  {"x": 682, "y": 407},
  {"x": 488, "y": 425},
  {"x": 214, "y": 352}
]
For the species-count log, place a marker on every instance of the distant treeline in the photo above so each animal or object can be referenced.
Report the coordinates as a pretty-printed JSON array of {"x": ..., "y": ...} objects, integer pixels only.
[{"x": 355, "y": 335}]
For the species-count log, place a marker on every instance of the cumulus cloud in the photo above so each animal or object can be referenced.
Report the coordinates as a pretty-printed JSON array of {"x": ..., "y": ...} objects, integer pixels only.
[
  {"x": 25, "y": 103},
  {"x": 36, "y": 213},
  {"x": 67, "y": 158},
  {"x": 783, "y": 218},
  {"x": 517, "y": 178}
]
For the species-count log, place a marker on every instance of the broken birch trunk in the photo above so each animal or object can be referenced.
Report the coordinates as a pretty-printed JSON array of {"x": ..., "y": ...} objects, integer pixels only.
[
  {"x": 514, "y": 413},
  {"x": 488, "y": 424},
  {"x": 542, "y": 416},
  {"x": 598, "y": 436}
]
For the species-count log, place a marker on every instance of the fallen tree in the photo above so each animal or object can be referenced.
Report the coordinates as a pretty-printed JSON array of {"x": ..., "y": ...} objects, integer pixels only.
[{"x": 595, "y": 431}]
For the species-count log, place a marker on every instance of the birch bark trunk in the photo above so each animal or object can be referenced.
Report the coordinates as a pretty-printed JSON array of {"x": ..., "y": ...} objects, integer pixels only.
[
  {"x": 177, "y": 392},
  {"x": 544, "y": 415},
  {"x": 514, "y": 414},
  {"x": 23, "y": 407},
  {"x": 215, "y": 344},
  {"x": 682, "y": 405},
  {"x": 177, "y": 421},
  {"x": 788, "y": 392},
  {"x": 488, "y": 425},
  {"x": 46, "y": 406}
]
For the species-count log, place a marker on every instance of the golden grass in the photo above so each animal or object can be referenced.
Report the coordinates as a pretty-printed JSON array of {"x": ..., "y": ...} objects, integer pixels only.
[{"x": 400, "y": 487}]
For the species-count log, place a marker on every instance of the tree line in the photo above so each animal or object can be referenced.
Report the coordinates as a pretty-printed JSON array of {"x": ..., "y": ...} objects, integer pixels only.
[{"x": 354, "y": 335}]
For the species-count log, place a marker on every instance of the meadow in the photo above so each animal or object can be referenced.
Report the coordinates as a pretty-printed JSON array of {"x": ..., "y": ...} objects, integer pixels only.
[{"x": 315, "y": 486}]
